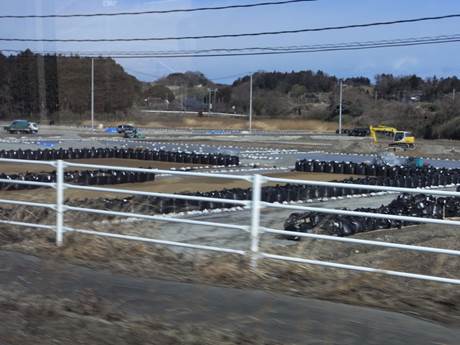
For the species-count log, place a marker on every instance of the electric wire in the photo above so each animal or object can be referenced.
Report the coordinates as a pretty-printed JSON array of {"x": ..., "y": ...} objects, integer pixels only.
[
  {"x": 254, "y": 51},
  {"x": 235, "y": 35},
  {"x": 180, "y": 10}
]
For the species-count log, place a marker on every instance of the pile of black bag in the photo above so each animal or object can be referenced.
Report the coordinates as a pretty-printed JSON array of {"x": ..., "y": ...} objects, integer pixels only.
[
  {"x": 124, "y": 153},
  {"x": 366, "y": 169},
  {"x": 419, "y": 205},
  {"x": 273, "y": 194},
  {"x": 157, "y": 205},
  {"x": 83, "y": 177}
]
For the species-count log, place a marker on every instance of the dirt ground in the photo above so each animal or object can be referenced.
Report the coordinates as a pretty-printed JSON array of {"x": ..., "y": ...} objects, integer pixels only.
[
  {"x": 427, "y": 300},
  {"x": 11, "y": 168},
  {"x": 442, "y": 149},
  {"x": 62, "y": 303},
  {"x": 88, "y": 320},
  {"x": 435, "y": 148},
  {"x": 42, "y": 320},
  {"x": 164, "y": 185},
  {"x": 195, "y": 122},
  {"x": 424, "y": 148}
]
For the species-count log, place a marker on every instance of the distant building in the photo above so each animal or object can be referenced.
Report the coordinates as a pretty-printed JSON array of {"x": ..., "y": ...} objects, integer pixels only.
[
  {"x": 415, "y": 96},
  {"x": 156, "y": 102}
]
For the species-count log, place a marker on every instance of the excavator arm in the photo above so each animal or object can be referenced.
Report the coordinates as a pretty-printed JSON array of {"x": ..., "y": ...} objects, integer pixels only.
[
  {"x": 382, "y": 129},
  {"x": 373, "y": 134}
]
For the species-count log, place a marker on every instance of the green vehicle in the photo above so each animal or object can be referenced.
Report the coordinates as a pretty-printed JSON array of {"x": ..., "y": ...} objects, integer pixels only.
[
  {"x": 133, "y": 133},
  {"x": 22, "y": 126}
]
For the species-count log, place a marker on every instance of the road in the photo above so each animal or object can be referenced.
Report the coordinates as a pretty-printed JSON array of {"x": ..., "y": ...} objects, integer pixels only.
[
  {"x": 197, "y": 141},
  {"x": 275, "y": 317}
]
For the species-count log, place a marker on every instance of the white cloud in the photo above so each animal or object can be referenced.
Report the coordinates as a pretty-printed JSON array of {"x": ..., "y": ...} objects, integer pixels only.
[
  {"x": 110, "y": 3},
  {"x": 405, "y": 62}
]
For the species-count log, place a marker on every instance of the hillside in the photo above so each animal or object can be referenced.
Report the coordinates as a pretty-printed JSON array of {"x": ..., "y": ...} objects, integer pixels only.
[
  {"x": 57, "y": 88},
  {"x": 425, "y": 106},
  {"x": 50, "y": 86}
]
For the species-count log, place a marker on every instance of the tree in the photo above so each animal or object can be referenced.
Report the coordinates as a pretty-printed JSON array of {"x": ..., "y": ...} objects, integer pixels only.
[
  {"x": 159, "y": 91},
  {"x": 297, "y": 91},
  {"x": 32, "y": 84}
]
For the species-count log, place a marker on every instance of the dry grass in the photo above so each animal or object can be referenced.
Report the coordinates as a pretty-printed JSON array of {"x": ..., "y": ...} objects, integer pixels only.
[
  {"x": 166, "y": 185},
  {"x": 193, "y": 121},
  {"x": 424, "y": 299},
  {"x": 37, "y": 320}
]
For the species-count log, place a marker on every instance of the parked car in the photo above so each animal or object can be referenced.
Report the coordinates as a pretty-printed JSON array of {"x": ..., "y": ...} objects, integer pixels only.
[
  {"x": 123, "y": 128},
  {"x": 22, "y": 126},
  {"x": 133, "y": 134}
]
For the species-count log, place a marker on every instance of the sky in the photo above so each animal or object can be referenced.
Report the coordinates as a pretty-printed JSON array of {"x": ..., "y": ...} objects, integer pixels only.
[{"x": 426, "y": 61}]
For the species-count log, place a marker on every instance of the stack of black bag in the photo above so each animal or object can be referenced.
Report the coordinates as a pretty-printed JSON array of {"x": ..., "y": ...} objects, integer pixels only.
[
  {"x": 419, "y": 205},
  {"x": 124, "y": 153},
  {"x": 83, "y": 177}
]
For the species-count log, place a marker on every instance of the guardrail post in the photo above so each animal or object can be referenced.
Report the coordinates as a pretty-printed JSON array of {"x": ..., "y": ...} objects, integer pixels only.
[
  {"x": 59, "y": 202},
  {"x": 255, "y": 218}
]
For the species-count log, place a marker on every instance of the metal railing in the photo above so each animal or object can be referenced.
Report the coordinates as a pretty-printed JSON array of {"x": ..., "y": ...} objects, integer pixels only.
[{"x": 254, "y": 229}]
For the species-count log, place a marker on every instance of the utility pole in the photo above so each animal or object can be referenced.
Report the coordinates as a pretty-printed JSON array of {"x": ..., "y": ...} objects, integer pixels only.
[
  {"x": 212, "y": 101},
  {"x": 182, "y": 88},
  {"x": 92, "y": 94},
  {"x": 453, "y": 94},
  {"x": 39, "y": 27},
  {"x": 209, "y": 101},
  {"x": 250, "y": 103},
  {"x": 340, "y": 107},
  {"x": 215, "y": 98}
]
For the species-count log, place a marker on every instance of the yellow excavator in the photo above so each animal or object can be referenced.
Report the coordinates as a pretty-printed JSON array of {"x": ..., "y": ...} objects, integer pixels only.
[{"x": 401, "y": 139}]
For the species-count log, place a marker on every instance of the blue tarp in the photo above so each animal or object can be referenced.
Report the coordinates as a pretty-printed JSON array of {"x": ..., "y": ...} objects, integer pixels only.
[
  {"x": 110, "y": 130},
  {"x": 222, "y": 132},
  {"x": 47, "y": 143}
]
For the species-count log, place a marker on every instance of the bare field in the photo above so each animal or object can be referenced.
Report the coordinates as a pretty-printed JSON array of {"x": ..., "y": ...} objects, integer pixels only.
[
  {"x": 11, "y": 168},
  {"x": 206, "y": 122},
  {"x": 164, "y": 185},
  {"x": 424, "y": 300}
]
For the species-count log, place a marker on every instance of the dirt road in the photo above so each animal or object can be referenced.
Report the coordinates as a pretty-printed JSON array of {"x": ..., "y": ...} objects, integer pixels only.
[{"x": 274, "y": 318}]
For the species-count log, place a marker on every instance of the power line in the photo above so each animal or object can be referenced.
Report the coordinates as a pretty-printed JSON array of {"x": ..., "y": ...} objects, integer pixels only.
[
  {"x": 285, "y": 52},
  {"x": 411, "y": 40},
  {"x": 252, "y": 51},
  {"x": 180, "y": 10},
  {"x": 144, "y": 73},
  {"x": 264, "y": 33},
  {"x": 230, "y": 76}
]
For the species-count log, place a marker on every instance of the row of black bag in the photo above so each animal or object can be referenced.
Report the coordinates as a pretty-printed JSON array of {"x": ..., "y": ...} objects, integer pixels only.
[
  {"x": 83, "y": 177},
  {"x": 124, "y": 153},
  {"x": 278, "y": 193},
  {"x": 352, "y": 168},
  {"x": 419, "y": 205}
]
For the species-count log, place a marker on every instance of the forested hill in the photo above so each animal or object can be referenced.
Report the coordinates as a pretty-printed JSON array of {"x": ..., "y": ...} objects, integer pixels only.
[
  {"x": 34, "y": 85},
  {"x": 59, "y": 87},
  {"x": 427, "y": 106}
]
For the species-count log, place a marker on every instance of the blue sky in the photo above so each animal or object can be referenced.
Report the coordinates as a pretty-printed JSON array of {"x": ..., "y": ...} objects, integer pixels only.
[{"x": 440, "y": 60}]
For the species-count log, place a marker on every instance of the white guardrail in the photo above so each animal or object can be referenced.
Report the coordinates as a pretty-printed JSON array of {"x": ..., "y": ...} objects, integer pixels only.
[{"x": 254, "y": 229}]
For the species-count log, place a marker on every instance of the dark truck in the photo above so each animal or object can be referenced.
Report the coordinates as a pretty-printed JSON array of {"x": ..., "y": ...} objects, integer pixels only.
[
  {"x": 355, "y": 132},
  {"x": 22, "y": 126}
]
